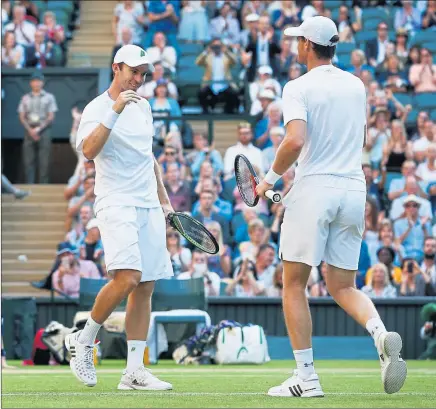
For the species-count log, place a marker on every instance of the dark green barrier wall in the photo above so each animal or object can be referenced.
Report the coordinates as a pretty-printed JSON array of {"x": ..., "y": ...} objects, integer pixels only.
[
  {"x": 69, "y": 86},
  {"x": 401, "y": 315}
]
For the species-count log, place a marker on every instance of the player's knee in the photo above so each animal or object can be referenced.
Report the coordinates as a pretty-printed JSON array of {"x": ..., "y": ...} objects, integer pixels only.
[
  {"x": 145, "y": 289},
  {"x": 128, "y": 279}
]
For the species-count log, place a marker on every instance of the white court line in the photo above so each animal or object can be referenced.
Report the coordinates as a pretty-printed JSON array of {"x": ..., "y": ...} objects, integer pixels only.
[{"x": 177, "y": 394}]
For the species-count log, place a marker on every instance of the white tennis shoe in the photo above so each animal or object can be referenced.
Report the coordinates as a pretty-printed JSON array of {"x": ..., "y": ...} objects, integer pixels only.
[
  {"x": 295, "y": 387},
  {"x": 82, "y": 359},
  {"x": 142, "y": 379},
  {"x": 393, "y": 368}
]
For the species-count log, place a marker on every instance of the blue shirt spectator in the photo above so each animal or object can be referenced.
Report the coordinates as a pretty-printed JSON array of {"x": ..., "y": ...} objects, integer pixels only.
[
  {"x": 213, "y": 156},
  {"x": 262, "y": 129},
  {"x": 364, "y": 264},
  {"x": 408, "y": 17},
  {"x": 223, "y": 208}
]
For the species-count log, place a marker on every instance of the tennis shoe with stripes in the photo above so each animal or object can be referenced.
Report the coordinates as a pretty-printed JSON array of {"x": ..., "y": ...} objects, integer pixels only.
[
  {"x": 393, "y": 368},
  {"x": 295, "y": 387},
  {"x": 142, "y": 379},
  {"x": 82, "y": 359}
]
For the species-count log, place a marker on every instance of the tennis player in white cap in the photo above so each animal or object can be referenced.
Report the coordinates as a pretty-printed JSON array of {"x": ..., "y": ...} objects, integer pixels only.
[
  {"x": 325, "y": 117},
  {"x": 116, "y": 131}
]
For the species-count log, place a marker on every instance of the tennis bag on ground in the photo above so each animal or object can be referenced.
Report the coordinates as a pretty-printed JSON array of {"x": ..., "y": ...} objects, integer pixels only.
[{"x": 241, "y": 345}]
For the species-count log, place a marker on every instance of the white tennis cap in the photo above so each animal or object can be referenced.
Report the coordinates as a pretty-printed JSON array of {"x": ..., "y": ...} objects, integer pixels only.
[
  {"x": 133, "y": 56},
  {"x": 267, "y": 94},
  {"x": 252, "y": 17},
  {"x": 265, "y": 69},
  {"x": 320, "y": 30}
]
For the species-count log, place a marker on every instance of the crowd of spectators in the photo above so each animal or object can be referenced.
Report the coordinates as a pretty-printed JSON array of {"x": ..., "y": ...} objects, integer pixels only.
[{"x": 32, "y": 37}]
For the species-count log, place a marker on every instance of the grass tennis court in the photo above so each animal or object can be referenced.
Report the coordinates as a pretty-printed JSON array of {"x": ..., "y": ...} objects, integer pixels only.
[{"x": 346, "y": 384}]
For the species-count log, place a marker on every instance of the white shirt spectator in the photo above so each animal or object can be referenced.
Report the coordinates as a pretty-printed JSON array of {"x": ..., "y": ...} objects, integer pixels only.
[
  {"x": 397, "y": 208},
  {"x": 24, "y": 34},
  {"x": 308, "y": 11},
  {"x": 253, "y": 154},
  {"x": 147, "y": 90},
  {"x": 267, "y": 276},
  {"x": 381, "y": 50},
  {"x": 425, "y": 173},
  {"x": 128, "y": 18},
  {"x": 213, "y": 277},
  {"x": 168, "y": 56},
  {"x": 256, "y": 87},
  {"x": 262, "y": 50},
  {"x": 421, "y": 144},
  {"x": 229, "y": 35},
  {"x": 125, "y": 166},
  {"x": 218, "y": 74}
]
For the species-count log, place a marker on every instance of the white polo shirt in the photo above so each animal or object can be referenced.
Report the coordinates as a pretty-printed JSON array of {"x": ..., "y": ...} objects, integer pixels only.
[
  {"x": 333, "y": 103},
  {"x": 125, "y": 166}
]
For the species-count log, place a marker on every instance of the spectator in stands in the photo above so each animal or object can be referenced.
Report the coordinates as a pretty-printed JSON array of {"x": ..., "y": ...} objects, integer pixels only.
[
  {"x": 397, "y": 149},
  {"x": 408, "y": 17},
  {"x": 180, "y": 256},
  {"x": 257, "y": 7},
  {"x": 128, "y": 14},
  {"x": 258, "y": 235},
  {"x": 421, "y": 144},
  {"x": 276, "y": 134},
  {"x": 198, "y": 269},
  {"x": 245, "y": 284},
  {"x": 91, "y": 247},
  {"x": 411, "y": 230},
  {"x": 245, "y": 147},
  {"x": 259, "y": 107},
  {"x": 376, "y": 48},
  {"x": 346, "y": 27},
  {"x": 194, "y": 22},
  {"x": 37, "y": 112},
  {"x": 222, "y": 207},
  {"x": 428, "y": 264},
  {"x": 164, "y": 16},
  {"x": 414, "y": 56},
  {"x": 66, "y": 279},
  {"x": 263, "y": 127},
  {"x": 206, "y": 174},
  {"x": 423, "y": 75},
  {"x": 295, "y": 71},
  {"x": 380, "y": 286},
  {"x": 220, "y": 263},
  {"x": 9, "y": 188},
  {"x": 385, "y": 256},
  {"x": 401, "y": 49},
  {"x": 226, "y": 27},
  {"x": 419, "y": 129},
  {"x": 265, "y": 78},
  {"x": 75, "y": 183},
  {"x": 207, "y": 212},
  {"x": 32, "y": 13},
  {"x": 261, "y": 209},
  {"x": 386, "y": 240},
  {"x": 87, "y": 199},
  {"x": 411, "y": 188},
  {"x": 179, "y": 190},
  {"x": 286, "y": 15},
  {"x": 43, "y": 53},
  {"x": 372, "y": 219},
  {"x": 162, "y": 52},
  {"x": 13, "y": 54},
  {"x": 126, "y": 37},
  {"x": 285, "y": 59},
  {"x": 377, "y": 137},
  {"x": 53, "y": 31},
  {"x": 172, "y": 155},
  {"x": 319, "y": 289},
  {"x": 265, "y": 267},
  {"x": 203, "y": 151},
  {"x": 217, "y": 60},
  {"x": 429, "y": 15},
  {"x": 426, "y": 171},
  {"x": 315, "y": 8},
  {"x": 261, "y": 51},
  {"x": 24, "y": 30},
  {"x": 276, "y": 290},
  {"x": 147, "y": 89},
  {"x": 393, "y": 75},
  {"x": 397, "y": 186},
  {"x": 358, "y": 63},
  {"x": 415, "y": 282},
  {"x": 77, "y": 234},
  {"x": 249, "y": 34},
  {"x": 374, "y": 189}
]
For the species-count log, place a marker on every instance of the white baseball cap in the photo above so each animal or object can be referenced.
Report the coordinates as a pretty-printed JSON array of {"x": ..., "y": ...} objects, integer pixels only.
[
  {"x": 133, "y": 56},
  {"x": 252, "y": 17},
  {"x": 320, "y": 30},
  {"x": 267, "y": 94},
  {"x": 265, "y": 69}
]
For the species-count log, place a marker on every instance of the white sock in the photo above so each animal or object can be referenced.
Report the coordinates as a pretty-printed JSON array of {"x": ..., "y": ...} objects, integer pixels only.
[
  {"x": 304, "y": 359},
  {"x": 89, "y": 333},
  {"x": 135, "y": 354},
  {"x": 375, "y": 328}
]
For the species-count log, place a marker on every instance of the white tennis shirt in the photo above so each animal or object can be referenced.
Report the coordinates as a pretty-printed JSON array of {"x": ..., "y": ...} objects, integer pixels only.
[
  {"x": 125, "y": 166},
  {"x": 333, "y": 103}
]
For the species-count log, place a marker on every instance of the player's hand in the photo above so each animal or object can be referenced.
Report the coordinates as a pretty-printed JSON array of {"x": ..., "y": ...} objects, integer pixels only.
[
  {"x": 124, "y": 98},
  {"x": 262, "y": 187},
  {"x": 34, "y": 134},
  {"x": 167, "y": 209}
]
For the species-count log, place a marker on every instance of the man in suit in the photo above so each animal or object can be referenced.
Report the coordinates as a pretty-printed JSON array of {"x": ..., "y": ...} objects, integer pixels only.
[
  {"x": 43, "y": 53},
  {"x": 207, "y": 212},
  {"x": 217, "y": 60},
  {"x": 376, "y": 48},
  {"x": 261, "y": 51}
]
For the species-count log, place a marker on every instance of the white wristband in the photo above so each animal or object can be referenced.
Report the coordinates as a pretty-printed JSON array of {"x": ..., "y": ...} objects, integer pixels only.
[
  {"x": 272, "y": 177},
  {"x": 110, "y": 119}
]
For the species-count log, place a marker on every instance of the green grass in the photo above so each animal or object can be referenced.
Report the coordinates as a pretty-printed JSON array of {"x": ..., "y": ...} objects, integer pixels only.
[{"x": 346, "y": 384}]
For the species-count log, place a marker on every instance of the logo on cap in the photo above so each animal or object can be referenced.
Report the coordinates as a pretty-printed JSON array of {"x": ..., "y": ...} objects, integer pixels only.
[{"x": 142, "y": 53}]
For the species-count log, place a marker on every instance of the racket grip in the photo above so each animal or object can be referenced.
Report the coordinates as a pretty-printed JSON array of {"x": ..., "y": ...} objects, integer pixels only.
[{"x": 274, "y": 196}]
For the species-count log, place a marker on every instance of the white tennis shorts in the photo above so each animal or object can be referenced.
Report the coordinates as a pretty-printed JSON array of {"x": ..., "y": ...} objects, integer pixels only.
[
  {"x": 324, "y": 221},
  {"x": 134, "y": 238}
]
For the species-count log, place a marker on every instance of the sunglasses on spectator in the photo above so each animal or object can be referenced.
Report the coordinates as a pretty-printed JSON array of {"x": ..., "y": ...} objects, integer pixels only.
[
  {"x": 172, "y": 235},
  {"x": 412, "y": 205},
  {"x": 170, "y": 153}
]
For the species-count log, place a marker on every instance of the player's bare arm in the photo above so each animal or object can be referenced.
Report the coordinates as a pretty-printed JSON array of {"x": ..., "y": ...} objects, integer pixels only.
[
  {"x": 288, "y": 152},
  {"x": 161, "y": 191},
  {"x": 94, "y": 142}
]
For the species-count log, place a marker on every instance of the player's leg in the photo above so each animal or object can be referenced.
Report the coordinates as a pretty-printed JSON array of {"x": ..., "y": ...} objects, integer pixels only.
[
  {"x": 154, "y": 255},
  {"x": 119, "y": 231},
  {"x": 342, "y": 257}
]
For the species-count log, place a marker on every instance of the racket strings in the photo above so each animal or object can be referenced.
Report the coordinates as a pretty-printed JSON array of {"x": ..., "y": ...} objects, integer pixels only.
[
  {"x": 246, "y": 182},
  {"x": 196, "y": 235}
]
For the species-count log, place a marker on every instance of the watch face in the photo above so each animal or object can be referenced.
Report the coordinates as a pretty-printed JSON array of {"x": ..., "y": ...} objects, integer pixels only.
[{"x": 34, "y": 118}]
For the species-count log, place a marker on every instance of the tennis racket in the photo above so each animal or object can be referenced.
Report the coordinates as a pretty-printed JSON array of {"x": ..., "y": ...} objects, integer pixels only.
[
  {"x": 193, "y": 231},
  {"x": 247, "y": 181}
]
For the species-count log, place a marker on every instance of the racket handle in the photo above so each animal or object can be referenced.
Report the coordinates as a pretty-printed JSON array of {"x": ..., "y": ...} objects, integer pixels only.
[{"x": 274, "y": 196}]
